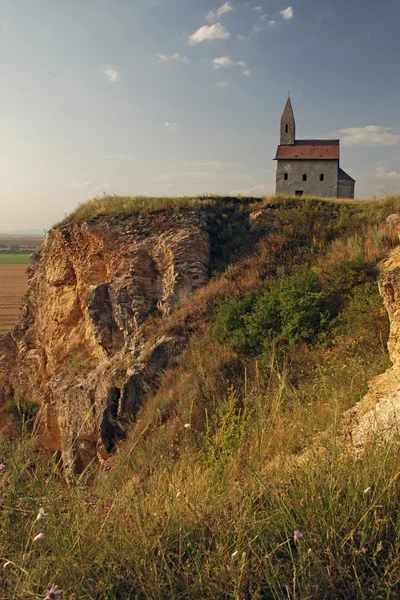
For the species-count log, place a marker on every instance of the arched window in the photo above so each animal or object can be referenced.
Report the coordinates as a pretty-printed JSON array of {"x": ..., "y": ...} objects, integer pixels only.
[
  {"x": 286, "y": 128},
  {"x": 305, "y": 177},
  {"x": 286, "y": 176},
  {"x": 321, "y": 177}
]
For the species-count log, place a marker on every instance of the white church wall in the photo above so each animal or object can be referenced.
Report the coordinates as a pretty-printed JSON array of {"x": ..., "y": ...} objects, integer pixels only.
[{"x": 313, "y": 186}]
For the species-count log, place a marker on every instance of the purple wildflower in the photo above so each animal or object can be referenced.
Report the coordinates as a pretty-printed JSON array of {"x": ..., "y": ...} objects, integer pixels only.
[
  {"x": 368, "y": 490},
  {"x": 53, "y": 593},
  {"x": 2, "y": 466},
  {"x": 41, "y": 515},
  {"x": 38, "y": 537},
  {"x": 297, "y": 535}
]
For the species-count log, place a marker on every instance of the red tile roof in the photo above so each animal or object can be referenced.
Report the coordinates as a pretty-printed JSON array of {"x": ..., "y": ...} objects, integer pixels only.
[{"x": 309, "y": 149}]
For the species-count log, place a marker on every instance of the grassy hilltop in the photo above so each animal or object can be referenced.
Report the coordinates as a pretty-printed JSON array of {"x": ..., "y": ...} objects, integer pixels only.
[{"x": 208, "y": 496}]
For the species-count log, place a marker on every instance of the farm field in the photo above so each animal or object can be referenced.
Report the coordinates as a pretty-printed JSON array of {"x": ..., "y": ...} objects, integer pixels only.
[
  {"x": 14, "y": 259},
  {"x": 13, "y": 285},
  {"x": 31, "y": 242}
]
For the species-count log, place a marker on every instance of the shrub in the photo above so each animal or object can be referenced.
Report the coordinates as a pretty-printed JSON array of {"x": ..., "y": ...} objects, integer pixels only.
[
  {"x": 342, "y": 279},
  {"x": 297, "y": 308},
  {"x": 229, "y": 322}
]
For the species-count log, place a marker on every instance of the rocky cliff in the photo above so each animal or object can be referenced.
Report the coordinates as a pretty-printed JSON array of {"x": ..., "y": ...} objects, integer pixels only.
[
  {"x": 79, "y": 349},
  {"x": 376, "y": 418},
  {"x": 82, "y": 349}
]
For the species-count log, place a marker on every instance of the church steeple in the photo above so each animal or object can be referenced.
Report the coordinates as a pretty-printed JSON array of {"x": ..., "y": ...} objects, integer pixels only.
[{"x": 288, "y": 125}]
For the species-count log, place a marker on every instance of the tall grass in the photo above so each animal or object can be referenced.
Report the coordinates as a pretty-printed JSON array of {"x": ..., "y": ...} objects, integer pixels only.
[
  {"x": 205, "y": 495},
  {"x": 218, "y": 522}
]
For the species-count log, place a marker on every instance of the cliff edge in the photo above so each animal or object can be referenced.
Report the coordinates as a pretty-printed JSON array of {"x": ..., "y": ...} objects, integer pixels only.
[{"x": 78, "y": 350}]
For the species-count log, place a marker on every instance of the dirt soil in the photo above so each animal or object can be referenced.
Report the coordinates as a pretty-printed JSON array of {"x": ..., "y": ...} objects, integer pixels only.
[{"x": 13, "y": 285}]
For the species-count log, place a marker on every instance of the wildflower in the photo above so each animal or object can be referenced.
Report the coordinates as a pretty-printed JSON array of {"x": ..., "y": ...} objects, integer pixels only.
[
  {"x": 47, "y": 480},
  {"x": 41, "y": 515},
  {"x": 368, "y": 490},
  {"x": 38, "y": 537},
  {"x": 53, "y": 593},
  {"x": 187, "y": 426},
  {"x": 297, "y": 535},
  {"x": 2, "y": 466}
]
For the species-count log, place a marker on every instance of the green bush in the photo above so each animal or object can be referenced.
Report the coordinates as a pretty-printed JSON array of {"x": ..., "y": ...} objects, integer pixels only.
[
  {"x": 297, "y": 308},
  {"x": 342, "y": 279}
]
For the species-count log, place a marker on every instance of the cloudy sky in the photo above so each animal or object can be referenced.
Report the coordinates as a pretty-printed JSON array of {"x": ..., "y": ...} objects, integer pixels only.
[{"x": 172, "y": 97}]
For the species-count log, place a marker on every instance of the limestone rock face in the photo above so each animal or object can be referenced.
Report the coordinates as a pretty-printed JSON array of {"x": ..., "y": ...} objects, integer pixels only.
[
  {"x": 91, "y": 288},
  {"x": 377, "y": 416}
]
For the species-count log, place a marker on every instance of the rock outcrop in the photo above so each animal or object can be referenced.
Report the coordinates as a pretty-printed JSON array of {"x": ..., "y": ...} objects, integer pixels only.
[
  {"x": 79, "y": 349},
  {"x": 376, "y": 418}
]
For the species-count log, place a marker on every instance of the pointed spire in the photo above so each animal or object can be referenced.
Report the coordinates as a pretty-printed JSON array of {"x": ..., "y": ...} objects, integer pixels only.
[{"x": 288, "y": 125}]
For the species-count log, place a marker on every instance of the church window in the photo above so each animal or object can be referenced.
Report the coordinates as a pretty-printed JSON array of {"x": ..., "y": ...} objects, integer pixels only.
[
  {"x": 286, "y": 128},
  {"x": 321, "y": 177},
  {"x": 286, "y": 176},
  {"x": 305, "y": 177}
]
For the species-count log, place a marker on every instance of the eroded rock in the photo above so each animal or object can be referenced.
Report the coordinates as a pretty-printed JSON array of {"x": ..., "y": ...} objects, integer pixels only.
[{"x": 91, "y": 288}]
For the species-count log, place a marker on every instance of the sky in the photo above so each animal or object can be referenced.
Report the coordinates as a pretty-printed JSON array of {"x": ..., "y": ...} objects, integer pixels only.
[{"x": 184, "y": 97}]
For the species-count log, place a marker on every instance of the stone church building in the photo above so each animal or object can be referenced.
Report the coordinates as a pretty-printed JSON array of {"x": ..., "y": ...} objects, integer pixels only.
[{"x": 309, "y": 167}]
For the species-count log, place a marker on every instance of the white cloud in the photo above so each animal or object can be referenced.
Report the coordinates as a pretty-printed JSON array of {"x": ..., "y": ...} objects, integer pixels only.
[
  {"x": 242, "y": 37},
  {"x": 111, "y": 73},
  {"x": 371, "y": 135},
  {"x": 287, "y": 13},
  {"x": 79, "y": 187},
  {"x": 171, "y": 126},
  {"x": 381, "y": 171},
  {"x": 214, "y": 15},
  {"x": 271, "y": 23},
  {"x": 260, "y": 25},
  {"x": 226, "y": 62},
  {"x": 172, "y": 58},
  {"x": 257, "y": 8},
  {"x": 221, "y": 84},
  {"x": 208, "y": 33}
]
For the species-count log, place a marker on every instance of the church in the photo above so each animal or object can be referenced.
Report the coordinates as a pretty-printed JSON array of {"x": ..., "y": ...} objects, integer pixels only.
[{"x": 309, "y": 167}]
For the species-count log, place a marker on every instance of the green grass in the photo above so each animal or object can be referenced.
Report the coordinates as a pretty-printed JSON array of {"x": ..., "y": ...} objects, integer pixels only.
[
  {"x": 14, "y": 259},
  {"x": 123, "y": 207},
  {"x": 202, "y": 499},
  {"x": 215, "y": 523}
]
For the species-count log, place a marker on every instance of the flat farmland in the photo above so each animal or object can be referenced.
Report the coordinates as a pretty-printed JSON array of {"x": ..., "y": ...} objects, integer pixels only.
[
  {"x": 14, "y": 259},
  {"x": 13, "y": 285}
]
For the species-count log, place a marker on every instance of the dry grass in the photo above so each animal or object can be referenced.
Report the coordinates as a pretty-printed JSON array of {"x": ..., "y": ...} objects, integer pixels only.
[
  {"x": 123, "y": 207},
  {"x": 198, "y": 502}
]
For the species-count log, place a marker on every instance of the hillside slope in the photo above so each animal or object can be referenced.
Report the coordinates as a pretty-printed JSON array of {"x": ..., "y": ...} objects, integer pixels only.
[{"x": 191, "y": 358}]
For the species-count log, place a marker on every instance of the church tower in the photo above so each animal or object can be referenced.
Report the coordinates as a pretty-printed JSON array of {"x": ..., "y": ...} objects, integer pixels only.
[{"x": 288, "y": 125}]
